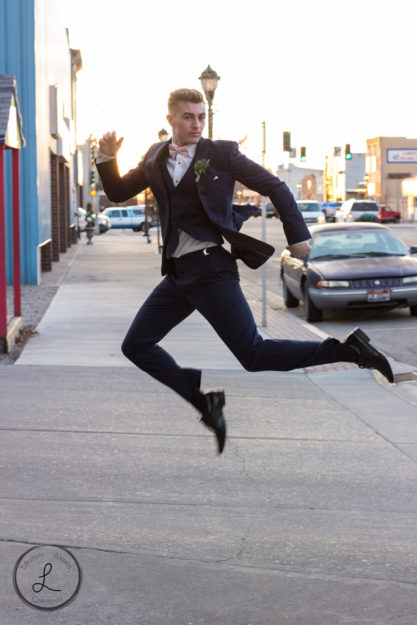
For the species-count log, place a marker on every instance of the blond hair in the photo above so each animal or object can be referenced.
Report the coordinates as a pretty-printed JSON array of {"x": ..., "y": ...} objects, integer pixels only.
[{"x": 183, "y": 95}]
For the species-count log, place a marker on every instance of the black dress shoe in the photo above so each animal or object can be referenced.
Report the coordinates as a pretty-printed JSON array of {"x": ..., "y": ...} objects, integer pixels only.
[
  {"x": 369, "y": 357},
  {"x": 213, "y": 415}
]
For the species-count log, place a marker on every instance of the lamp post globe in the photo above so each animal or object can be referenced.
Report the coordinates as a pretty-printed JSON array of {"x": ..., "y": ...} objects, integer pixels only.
[{"x": 209, "y": 79}]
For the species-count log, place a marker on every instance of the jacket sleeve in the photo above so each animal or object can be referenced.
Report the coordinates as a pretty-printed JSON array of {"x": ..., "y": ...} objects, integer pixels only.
[
  {"x": 121, "y": 188},
  {"x": 259, "y": 179}
]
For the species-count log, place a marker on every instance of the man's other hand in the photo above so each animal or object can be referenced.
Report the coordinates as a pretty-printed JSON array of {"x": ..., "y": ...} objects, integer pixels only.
[
  {"x": 299, "y": 250},
  {"x": 109, "y": 144}
]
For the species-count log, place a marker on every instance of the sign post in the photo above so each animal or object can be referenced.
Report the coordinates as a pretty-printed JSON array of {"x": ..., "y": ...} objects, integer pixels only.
[{"x": 264, "y": 276}]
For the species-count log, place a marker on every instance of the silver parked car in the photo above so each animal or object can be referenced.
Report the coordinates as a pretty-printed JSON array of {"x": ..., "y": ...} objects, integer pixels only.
[
  {"x": 311, "y": 211},
  {"x": 351, "y": 266}
]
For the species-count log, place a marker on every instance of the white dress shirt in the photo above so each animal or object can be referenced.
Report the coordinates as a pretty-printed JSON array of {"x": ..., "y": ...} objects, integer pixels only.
[{"x": 177, "y": 165}]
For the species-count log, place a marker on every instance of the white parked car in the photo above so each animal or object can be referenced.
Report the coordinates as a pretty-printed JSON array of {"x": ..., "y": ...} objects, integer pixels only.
[
  {"x": 103, "y": 221},
  {"x": 358, "y": 210},
  {"x": 130, "y": 217},
  {"x": 311, "y": 212}
]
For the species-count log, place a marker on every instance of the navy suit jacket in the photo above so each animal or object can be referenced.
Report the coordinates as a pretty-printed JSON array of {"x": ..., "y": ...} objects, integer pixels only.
[{"x": 215, "y": 189}]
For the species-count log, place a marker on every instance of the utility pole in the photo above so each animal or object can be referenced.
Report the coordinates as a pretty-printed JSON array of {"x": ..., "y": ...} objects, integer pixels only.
[{"x": 264, "y": 321}]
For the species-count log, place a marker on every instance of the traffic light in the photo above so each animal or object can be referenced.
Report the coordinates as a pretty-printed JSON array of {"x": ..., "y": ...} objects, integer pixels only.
[
  {"x": 286, "y": 141},
  {"x": 348, "y": 153},
  {"x": 302, "y": 154},
  {"x": 92, "y": 183}
]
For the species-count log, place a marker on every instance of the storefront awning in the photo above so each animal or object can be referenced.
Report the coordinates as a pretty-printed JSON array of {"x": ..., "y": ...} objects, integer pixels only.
[{"x": 11, "y": 126}]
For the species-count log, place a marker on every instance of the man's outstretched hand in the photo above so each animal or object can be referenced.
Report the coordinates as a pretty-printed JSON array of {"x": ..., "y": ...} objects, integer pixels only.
[
  {"x": 299, "y": 250},
  {"x": 109, "y": 144}
]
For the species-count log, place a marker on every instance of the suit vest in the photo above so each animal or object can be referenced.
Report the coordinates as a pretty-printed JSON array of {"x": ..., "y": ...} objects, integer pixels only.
[{"x": 186, "y": 212}]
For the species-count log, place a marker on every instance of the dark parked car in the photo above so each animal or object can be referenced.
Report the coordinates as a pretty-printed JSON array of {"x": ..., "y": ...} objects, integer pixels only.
[
  {"x": 329, "y": 209},
  {"x": 351, "y": 266},
  {"x": 269, "y": 211}
]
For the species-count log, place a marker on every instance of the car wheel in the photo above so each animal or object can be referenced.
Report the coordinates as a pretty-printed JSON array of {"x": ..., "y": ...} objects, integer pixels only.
[
  {"x": 413, "y": 311},
  {"x": 397, "y": 220},
  {"x": 312, "y": 313},
  {"x": 136, "y": 229},
  {"x": 289, "y": 300}
]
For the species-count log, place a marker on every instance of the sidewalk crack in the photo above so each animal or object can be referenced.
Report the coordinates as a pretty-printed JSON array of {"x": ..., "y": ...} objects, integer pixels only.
[{"x": 243, "y": 546}]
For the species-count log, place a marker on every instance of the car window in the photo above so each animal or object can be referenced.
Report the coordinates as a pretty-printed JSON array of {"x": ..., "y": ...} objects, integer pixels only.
[
  {"x": 357, "y": 242},
  {"x": 138, "y": 211},
  {"x": 114, "y": 213},
  {"x": 124, "y": 213},
  {"x": 364, "y": 206},
  {"x": 306, "y": 207}
]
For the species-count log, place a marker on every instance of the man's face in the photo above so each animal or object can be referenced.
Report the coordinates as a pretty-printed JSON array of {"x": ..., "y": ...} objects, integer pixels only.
[{"x": 187, "y": 122}]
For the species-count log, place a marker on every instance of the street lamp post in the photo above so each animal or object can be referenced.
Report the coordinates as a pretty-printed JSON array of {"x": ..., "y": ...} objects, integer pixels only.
[
  {"x": 209, "y": 79},
  {"x": 162, "y": 136}
]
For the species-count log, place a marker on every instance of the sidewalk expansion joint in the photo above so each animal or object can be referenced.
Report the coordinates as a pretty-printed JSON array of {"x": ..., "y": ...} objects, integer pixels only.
[
  {"x": 205, "y": 436},
  {"x": 393, "y": 444},
  {"x": 201, "y": 504},
  {"x": 279, "y": 569}
]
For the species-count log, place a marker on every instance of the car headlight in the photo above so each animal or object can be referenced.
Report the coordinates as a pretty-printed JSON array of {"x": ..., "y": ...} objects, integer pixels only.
[
  {"x": 333, "y": 284},
  {"x": 410, "y": 279},
  {"x": 321, "y": 219}
]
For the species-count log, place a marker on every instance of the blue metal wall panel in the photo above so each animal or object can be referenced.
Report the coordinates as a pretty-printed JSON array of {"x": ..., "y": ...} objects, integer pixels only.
[{"x": 17, "y": 57}]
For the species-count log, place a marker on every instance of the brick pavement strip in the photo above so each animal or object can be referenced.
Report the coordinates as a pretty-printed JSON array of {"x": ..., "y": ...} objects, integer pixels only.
[{"x": 283, "y": 326}]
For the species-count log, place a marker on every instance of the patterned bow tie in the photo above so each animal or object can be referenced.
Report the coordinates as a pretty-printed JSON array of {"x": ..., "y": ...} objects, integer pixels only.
[{"x": 174, "y": 150}]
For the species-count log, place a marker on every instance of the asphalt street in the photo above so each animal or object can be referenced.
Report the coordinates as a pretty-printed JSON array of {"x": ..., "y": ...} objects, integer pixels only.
[{"x": 308, "y": 518}]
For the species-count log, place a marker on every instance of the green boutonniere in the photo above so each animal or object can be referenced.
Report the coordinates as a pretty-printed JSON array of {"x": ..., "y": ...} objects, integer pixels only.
[{"x": 200, "y": 168}]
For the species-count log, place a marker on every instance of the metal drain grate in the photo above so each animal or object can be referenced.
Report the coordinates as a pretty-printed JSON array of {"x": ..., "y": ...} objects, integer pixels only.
[{"x": 411, "y": 376}]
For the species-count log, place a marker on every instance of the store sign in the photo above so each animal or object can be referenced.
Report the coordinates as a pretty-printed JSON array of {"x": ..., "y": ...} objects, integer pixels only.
[{"x": 395, "y": 155}]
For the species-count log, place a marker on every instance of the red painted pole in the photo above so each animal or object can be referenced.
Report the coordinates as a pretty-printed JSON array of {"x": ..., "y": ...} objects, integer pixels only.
[
  {"x": 16, "y": 233},
  {"x": 3, "y": 292}
]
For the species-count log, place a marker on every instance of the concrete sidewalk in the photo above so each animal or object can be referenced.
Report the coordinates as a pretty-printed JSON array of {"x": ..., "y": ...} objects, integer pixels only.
[{"x": 309, "y": 516}]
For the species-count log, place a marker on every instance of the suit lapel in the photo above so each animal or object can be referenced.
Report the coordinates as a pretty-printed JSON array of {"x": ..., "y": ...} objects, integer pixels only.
[
  {"x": 156, "y": 181},
  {"x": 154, "y": 173}
]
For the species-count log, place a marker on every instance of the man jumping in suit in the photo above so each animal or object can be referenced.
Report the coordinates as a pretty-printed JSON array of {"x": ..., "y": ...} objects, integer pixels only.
[{"x": 193, "y": 179}]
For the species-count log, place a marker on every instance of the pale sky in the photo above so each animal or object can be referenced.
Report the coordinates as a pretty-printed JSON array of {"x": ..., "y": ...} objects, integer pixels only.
[{"x": 330, "y": 71}]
